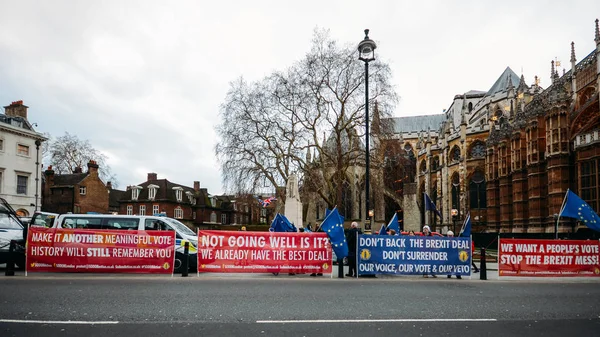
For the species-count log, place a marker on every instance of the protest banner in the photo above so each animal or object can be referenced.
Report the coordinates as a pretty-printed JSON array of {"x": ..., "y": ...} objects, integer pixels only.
[
  {"x": 543, "y": 258},
  {"x": 263, "y": 252},
  {"x": 413, "y": 255},
  {"x": 98, "y": 251}
]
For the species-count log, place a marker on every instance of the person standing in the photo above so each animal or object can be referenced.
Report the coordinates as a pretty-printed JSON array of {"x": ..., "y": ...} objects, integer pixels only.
[
  {"x": 450, "y": 234},
  {"x": 351, "y": 237},
  {"x": 427, "y": 232}
]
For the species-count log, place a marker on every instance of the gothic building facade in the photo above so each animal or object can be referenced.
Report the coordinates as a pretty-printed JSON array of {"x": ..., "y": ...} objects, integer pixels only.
[{"x": 507, "y": 156}]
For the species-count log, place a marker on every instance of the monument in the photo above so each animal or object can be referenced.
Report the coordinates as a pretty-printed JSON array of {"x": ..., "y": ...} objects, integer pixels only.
[{"x": 293, "y": 206}]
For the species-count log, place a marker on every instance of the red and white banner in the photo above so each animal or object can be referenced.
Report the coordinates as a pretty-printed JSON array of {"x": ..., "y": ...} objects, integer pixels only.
[
  {"x": 563, "y": 258},
  {"x": 263, "y": 252},
  {"x": 97, "y": 251}
]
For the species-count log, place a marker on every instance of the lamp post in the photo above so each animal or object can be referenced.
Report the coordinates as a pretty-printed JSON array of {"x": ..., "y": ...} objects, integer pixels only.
[
  {"x": 366, "y": 52},
  {"x": 37, "y": 172}
]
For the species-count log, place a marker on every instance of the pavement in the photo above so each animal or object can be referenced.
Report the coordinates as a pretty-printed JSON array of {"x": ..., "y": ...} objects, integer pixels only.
[{"x": 491, "y": 275}]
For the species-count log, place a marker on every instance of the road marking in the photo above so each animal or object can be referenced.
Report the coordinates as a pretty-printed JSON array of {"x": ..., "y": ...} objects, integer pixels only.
[
  {"x": 382, "y": 320},
  {"x": 25, "y": 321}
]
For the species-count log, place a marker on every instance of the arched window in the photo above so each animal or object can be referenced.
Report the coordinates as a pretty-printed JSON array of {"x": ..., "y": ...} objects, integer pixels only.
[
  {"x": 213, "y": 217},
  {"x": 423, "y": 167},
  {"x": 454, "y": 154},
  {"x": 477, "y": 150},
  {"x": 435, "y": 163},
  {"x": 470, "y": 107},
  {"x": 477, "y": 190}
]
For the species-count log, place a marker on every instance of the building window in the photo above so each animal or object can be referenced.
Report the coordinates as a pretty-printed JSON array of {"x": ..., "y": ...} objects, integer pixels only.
[
  {"x": 178, "y": 213},
  {"x": 1, "y": 145},
  {"x": 477, "y": 191},
  {"x": 455, "y": 191},
  {"x": 213, "y": 217},
  {"x": 155, "y": 209},
  {"x": 193, "y": 215},
  {"x": 135, "y": 193},
  {"x": 455, "y": 154},
  {"x": 23, "y": 150},
  {"x": 213, "y": 203},
  {"x": 1, "y": 180},
  {"x": 142, "y": 209},
  {"x": 423, "y": 167},
  {"x": 478, "y": 150},
  {"x": 179, "y": 195},
  {"x": 22, "y": 184},
  {"x": 152, "y": 193},
  {"x": 129, "y": 210},
  {"x": 82, "y": 190},
  {"x": 191, "y": 197},
  {"x": 435, "y": 163},
  {"x": 589, "y": 182},
  {"x": 223, "y": 219}
]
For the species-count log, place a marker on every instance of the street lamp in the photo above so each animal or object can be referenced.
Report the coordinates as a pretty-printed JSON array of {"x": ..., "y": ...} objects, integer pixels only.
[{"x": 366, "y": 51}]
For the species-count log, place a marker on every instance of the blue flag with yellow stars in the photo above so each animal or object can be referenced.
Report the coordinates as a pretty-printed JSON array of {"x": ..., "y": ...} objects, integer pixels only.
[
  {"x": 578, "y": 209},
  {"x": 333, "y": 225}
]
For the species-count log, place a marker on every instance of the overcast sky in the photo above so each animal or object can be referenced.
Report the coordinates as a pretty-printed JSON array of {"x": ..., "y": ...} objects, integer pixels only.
[{"x": 143, "y": 81}]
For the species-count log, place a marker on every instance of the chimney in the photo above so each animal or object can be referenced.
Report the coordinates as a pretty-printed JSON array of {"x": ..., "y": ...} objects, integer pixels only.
[
  {"x": 16, "y": 109},
  {"x": 92, "y": 168},
  {"x": 78, "y": 170},
  {"x": 109, "y": 185},
  {"x": 49, "y": 176},
  {"x": 152, "y": 176},
  {"x": 196, "y": 186}
]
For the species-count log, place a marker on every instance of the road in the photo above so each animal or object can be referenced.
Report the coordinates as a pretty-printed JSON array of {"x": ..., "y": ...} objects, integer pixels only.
[{"x": 267, "y": 305}]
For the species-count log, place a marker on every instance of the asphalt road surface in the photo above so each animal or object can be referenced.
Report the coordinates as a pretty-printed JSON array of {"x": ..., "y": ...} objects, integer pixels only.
[{"x": 267, "y": 305}]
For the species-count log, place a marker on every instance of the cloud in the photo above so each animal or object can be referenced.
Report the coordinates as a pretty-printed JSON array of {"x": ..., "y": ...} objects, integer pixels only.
[{"x": 143, "y": 80}]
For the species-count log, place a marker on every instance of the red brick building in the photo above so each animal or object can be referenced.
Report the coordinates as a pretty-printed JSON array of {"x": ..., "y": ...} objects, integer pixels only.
[{"x": 77, "y": 193}]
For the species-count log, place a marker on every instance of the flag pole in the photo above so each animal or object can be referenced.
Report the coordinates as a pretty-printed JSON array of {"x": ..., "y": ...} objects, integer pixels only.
[{"x": 560, "y": 213}]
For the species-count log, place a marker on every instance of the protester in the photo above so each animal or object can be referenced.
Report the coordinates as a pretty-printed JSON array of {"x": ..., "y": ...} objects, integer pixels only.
[
  {"x": 411, "y": 233},
  {"x": 450, "y": 234},
  {"x": 351, "y": 236},
  {"x": 392, "y": 232},
  {"x": 427, "y": 232}
]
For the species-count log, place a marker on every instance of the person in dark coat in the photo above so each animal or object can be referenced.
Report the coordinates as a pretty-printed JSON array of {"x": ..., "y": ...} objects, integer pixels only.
[{"x": 351, "y": 236}]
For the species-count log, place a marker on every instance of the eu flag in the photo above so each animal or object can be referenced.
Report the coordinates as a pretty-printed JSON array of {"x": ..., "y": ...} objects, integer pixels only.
[
  {"x": 382, "y": 231},
  {"x": 578, "y": 209},
  {"x": 281, "y": 224},
  {"x": 430, "y": 205},
  {"x": 333, "y": 225},
  {"x": 465, "y": 231},
  {"x": 393, "y": 224}
]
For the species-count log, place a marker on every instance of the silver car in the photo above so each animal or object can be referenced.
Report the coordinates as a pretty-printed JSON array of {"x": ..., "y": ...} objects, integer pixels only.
[{"x": 10, "y": 229}]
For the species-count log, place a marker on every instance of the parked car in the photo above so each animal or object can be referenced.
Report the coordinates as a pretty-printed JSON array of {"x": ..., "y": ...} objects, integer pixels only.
[{"x": 11, "y": 228}]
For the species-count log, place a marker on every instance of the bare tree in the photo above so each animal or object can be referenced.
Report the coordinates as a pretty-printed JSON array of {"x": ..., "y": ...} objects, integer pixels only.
[
  {"x": 316, "y": 106},
  {"x": 68, "y": 152}
]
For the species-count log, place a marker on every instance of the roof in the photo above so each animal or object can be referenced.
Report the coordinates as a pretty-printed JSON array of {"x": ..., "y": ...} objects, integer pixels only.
[
  {"x": 68, "y": 179},
  {"x": 114, "y": 196},
  {"x": 417, "y": 123},
  {"x": 164, "y": 192},
  {"x": 502, "y": 83},
  {"x": 16, "y": 121}
]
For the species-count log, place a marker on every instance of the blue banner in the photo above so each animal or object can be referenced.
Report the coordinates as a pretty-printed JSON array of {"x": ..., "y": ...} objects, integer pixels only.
[{"x": 413, "y": 255}]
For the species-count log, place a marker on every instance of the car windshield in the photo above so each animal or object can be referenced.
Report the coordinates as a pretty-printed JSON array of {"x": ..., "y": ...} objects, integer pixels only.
[
  {"x": 9, "y": 222},
  {"x": 180, "y": 227}
]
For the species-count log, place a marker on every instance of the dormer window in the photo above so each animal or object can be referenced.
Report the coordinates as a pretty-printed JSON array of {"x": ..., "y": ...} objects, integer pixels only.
[
  {"x": 82, "y": 190},
  {"x": 213, "y": 202},
  {"x": 152, "y": 191},
  {"x": 191, "y": 198},
  {"x": 178, "y": 193},
  {"x": 135, "y": 192}
]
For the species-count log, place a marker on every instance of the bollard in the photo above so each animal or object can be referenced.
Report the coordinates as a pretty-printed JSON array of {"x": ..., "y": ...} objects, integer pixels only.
[
  {"x": 10, "y": 264},
  {"x": 186, "y": 260},
  {"x": 482, "y": 266},
  {"x": 341, "y": 268}
]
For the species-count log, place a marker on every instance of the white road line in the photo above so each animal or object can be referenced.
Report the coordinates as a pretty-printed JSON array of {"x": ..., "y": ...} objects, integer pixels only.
[
  {"x": 25, "y": 321},
  {"x": 382, "y": 320}
]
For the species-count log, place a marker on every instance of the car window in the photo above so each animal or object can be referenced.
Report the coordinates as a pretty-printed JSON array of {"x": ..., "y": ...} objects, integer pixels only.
[
  {"x": 121, "y": 223},
  {"x": 8, "y": 222}
]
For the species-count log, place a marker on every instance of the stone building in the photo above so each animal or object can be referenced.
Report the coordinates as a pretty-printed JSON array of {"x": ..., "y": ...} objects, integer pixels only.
[
  {"x": 20, "y": 183},
  {"x": 508, "y": 155}
]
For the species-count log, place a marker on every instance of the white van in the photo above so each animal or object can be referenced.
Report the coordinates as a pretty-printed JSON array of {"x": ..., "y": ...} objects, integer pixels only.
[{"x": 137, "y": 222}]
